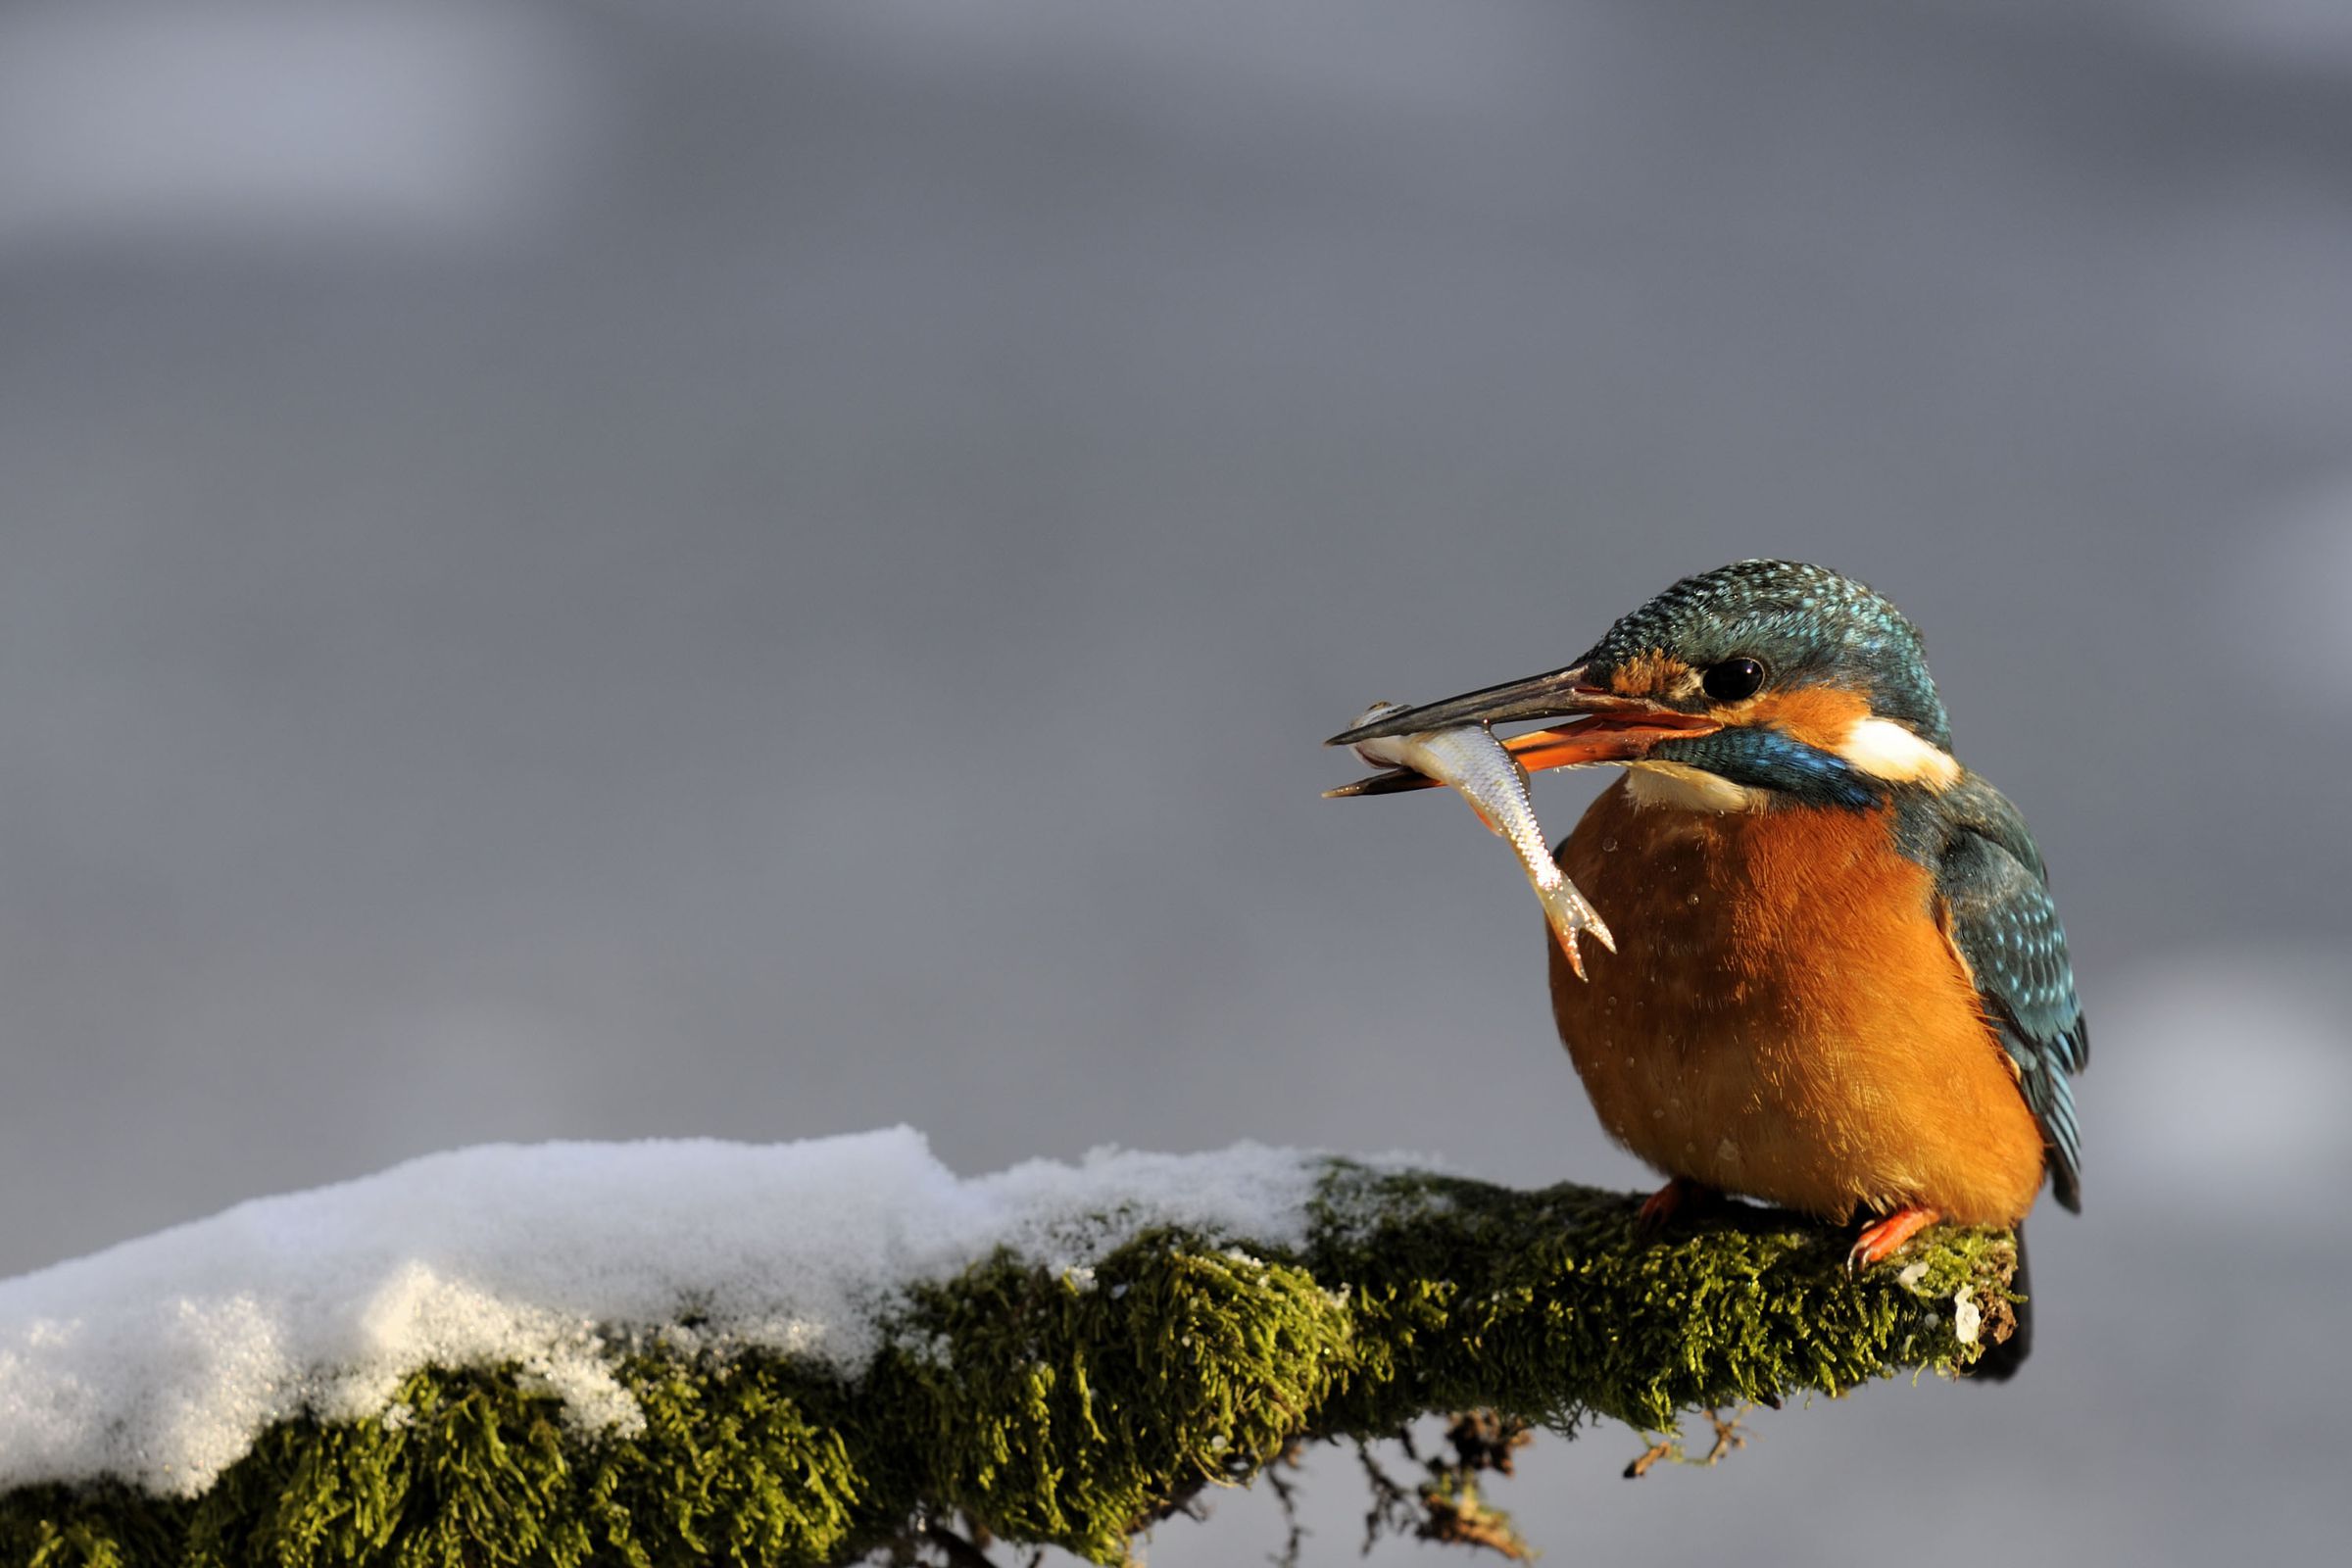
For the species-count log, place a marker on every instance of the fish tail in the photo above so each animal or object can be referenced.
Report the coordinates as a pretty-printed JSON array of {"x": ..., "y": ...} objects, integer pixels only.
[
  {"x": 1570, "y": 916},
  {"x": 1599, "y": 928}
]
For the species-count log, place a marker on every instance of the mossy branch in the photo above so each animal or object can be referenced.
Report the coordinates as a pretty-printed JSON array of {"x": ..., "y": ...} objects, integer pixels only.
[{"x": 1035, "y": 1408}]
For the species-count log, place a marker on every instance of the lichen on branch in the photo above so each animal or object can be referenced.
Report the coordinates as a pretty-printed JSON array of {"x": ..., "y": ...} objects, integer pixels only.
[{"x": 1076, "y": 1409}]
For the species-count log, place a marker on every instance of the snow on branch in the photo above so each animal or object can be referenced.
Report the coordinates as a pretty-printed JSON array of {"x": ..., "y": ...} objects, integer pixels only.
[{"x": 693, "y": 1353}]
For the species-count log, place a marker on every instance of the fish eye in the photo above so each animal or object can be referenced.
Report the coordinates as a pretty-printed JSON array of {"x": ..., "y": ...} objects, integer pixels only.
[{"x": 1732, "y": 679}]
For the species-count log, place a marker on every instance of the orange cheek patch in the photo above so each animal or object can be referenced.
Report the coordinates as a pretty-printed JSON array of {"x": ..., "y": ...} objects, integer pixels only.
[
  {"x": 1649, "y": 675},
  {"x": 1818, "y": 715}
]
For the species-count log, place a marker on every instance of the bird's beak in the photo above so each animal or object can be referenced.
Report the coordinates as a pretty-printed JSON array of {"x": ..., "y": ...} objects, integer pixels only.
[{"x": 1610, "y": 729}]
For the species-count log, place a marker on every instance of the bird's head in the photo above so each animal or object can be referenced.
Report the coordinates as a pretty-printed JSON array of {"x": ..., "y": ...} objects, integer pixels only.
[{"x": 1759, "y": 683}]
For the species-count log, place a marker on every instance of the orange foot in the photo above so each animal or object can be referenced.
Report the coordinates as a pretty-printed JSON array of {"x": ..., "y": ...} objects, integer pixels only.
[
  {"x": 1677, "y": 1195},
  {"x": 1883, "y": 1238}
]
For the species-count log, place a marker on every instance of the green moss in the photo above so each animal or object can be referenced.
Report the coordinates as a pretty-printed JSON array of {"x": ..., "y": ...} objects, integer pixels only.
[{"x": 1043, "y": 1409}]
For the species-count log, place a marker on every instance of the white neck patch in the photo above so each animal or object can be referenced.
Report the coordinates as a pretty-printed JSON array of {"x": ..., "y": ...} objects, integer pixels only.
[
  {"x": 1689, "y": 789},
  {"x": 1883, "y": 748}
]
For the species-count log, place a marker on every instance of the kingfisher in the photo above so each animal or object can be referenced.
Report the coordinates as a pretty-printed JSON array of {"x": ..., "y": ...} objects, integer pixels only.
[{"x": 1840, "y": 985}]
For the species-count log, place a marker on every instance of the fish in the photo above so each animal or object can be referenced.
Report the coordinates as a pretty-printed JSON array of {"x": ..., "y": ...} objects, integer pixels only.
[{"x": 1469, "y": 759}]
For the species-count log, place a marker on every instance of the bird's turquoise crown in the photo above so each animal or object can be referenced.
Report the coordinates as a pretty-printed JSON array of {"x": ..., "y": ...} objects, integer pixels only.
[{"x": 1808, "y": 625}]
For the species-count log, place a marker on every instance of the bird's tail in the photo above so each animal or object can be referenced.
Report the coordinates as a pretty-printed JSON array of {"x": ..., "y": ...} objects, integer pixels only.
[{"x": 2001, "y": 1363}]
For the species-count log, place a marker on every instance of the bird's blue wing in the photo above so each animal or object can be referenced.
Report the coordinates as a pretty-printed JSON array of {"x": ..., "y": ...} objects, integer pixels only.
[{"x": 1997, "y": 905}]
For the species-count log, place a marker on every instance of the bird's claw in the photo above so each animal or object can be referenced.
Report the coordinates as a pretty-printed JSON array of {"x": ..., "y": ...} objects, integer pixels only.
[
  {"x": 1881, "y": 1238},
  {"x": 1660, "y": 1207}
]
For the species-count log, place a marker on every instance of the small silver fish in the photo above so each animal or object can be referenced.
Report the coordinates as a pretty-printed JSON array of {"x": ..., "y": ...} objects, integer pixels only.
[{"x": 1471, "y": 761}]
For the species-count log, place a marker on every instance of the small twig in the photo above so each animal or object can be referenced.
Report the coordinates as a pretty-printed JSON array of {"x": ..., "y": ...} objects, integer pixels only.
[
  {"x": 1663, "y": 1448},
  {"x": 1485, "y": 1441},
  {"x": 1454, "y": 1509},
  {"x": 1728, "y": 1435},
  {"x": 1391, "y": 1504},
  {"x": 959, "y": 1552},
  {"x": 1466, "y": 1521},
  {"x": 1286, "y": 1492}
]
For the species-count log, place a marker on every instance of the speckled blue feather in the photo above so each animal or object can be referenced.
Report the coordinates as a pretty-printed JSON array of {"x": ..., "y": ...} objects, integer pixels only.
[
  {"x": 1773, "y": 760},
  {"x": 1997, "y": 897}
]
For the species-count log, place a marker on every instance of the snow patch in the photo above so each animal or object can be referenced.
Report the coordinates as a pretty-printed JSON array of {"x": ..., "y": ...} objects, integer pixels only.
[
  {"x": 1968, "y": 1318},
  {"x": 161, "y": 1360}
]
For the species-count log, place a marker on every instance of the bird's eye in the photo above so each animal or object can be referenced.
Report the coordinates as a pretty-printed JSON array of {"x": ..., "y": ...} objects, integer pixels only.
[{"x": 1732, "y": 679}]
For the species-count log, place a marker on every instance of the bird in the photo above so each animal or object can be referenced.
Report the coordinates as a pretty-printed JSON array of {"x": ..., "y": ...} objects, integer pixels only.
[{"x": 1840, "y": 985}]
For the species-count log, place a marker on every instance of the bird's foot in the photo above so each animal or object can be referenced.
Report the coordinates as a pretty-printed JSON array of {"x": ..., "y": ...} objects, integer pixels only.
[
  {"x": 1681, "y": 1196},
  {"x": 1883, "y": 1238}
]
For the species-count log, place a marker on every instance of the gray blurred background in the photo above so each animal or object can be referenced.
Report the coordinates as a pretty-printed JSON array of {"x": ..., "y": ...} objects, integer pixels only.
[{"x": 616, "y": 569}]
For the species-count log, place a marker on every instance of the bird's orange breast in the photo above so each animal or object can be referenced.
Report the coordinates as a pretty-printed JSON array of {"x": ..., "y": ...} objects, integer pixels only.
[{"x": 1785, "y": 1017}]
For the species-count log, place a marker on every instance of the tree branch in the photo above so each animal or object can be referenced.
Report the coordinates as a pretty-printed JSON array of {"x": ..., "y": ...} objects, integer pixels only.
[{"x": 1047, "y": 1409}]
